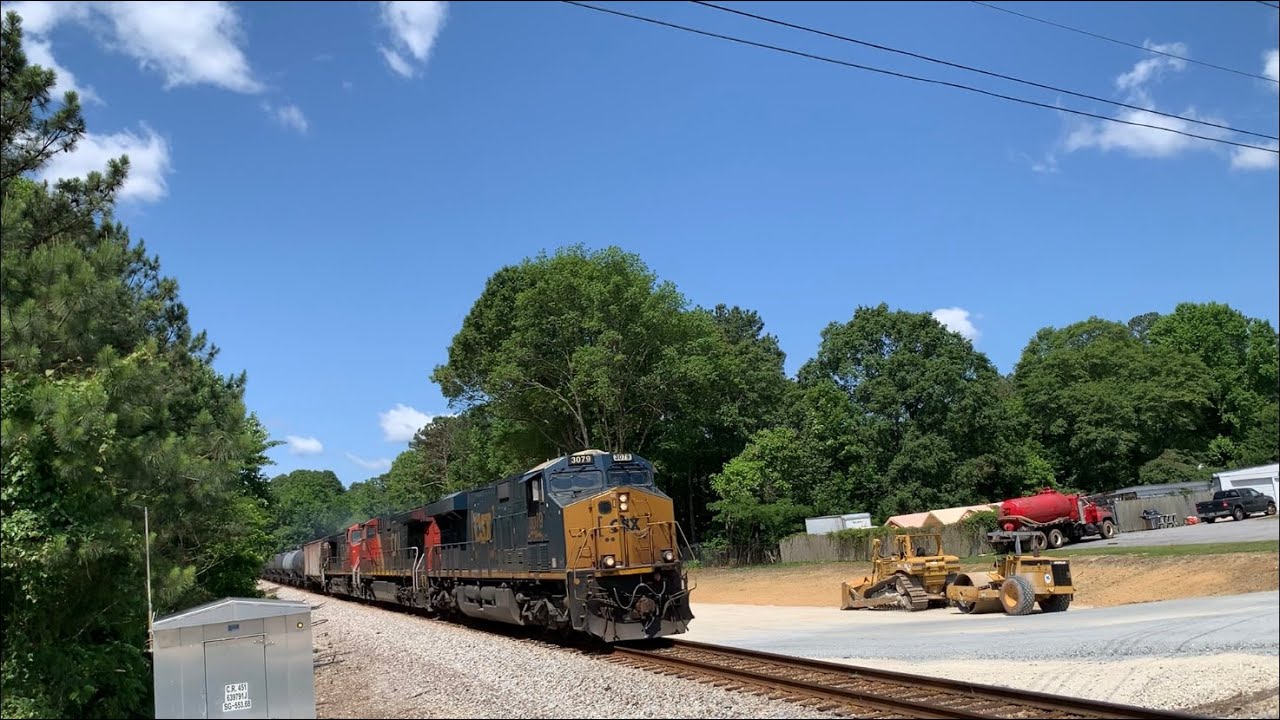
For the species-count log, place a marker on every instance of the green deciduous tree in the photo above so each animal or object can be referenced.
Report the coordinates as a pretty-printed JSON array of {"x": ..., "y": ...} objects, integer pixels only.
[
  {"x": 1241, "y": 356},
  {"x": 1103, "y": 403},
  {"x": 578, "y": 349},
  {"x": 924, "y": 423},
  {"x": 307, "y": 504}
]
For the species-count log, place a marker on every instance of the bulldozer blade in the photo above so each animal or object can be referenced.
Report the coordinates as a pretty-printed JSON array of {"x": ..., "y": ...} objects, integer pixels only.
[{"x": 883, "y": 600}]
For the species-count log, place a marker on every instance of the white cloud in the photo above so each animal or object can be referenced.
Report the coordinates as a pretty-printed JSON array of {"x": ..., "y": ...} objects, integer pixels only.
[
  {"x": 400, "y": 423},
  {"x": 1271, "y": 67},
  {"x": 1151, "y": 68},
  {"x": 1250, "y": 159},
  {"x": 40, "y": 53},
  {"x": 957, "y": 320},
  {"x": 189, "y": 43},
  {"x": 148, "y": 162},
  {"x": 289, "y": 116},
  {"x": 379, "y": 464},
  {"x": 414, "y": 27},
  {"x": 1146, "y": 142},
  {"x": 304, "y": 445},
  {"x": 397, "y": 63}
]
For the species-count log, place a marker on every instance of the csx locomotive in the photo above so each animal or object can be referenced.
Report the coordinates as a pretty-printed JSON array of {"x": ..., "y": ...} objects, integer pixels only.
[{"x": 582, "y": 543}]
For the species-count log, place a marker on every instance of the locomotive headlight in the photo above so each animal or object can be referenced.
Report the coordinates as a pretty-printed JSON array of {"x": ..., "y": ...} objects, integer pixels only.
[
  {"x": 622, "y": 506},
  {"x": 668, "y": 556},
  {"x": 623, "y": 497},
  {"x": 608, "y": 561}
]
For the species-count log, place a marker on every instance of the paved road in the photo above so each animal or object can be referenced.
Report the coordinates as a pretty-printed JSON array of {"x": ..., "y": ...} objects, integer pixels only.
[
  {"x": 1258, "y": 527},
  {"x": 1247, "y": 623}
]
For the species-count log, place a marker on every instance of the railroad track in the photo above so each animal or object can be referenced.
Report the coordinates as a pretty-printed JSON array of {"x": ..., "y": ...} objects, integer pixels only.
[{"x": 860, "y": 691}]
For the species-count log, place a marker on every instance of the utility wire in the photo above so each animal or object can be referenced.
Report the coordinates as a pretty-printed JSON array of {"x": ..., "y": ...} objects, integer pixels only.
[
  {"x": 1262, "y": 2},
  {"x": 978, "y": 70},
  {"x": 1128, "y": 44},
  {"x": 893, "y": 73}
]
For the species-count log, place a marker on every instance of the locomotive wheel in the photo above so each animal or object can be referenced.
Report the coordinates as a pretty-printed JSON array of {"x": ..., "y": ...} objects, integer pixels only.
[
  {"x": 1056, "y": 539},
  {"x": 1017, "y": 597}
]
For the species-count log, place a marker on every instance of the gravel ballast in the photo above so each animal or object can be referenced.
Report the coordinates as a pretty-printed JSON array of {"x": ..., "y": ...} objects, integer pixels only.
[{"x": 392, "y": 665}]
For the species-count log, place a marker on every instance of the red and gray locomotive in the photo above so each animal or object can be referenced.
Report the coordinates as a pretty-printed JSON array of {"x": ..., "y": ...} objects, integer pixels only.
[{"x": 584, "y": 543}]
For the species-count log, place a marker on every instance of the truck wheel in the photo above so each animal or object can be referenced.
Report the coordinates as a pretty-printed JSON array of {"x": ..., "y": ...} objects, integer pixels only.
[
  {"x": 1055, "y": 538},
  {"x": 1017, "y": 597},
  {"x": 1055, "y": 603},
  {"x": 1271, "y": 508},
  {"x": 1108, "y": 529},
  {"x": 1238, "y": 513},
  {"x": 1210, "y": 519}
]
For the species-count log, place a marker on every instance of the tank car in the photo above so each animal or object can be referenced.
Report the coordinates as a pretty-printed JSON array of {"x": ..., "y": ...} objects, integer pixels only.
[{"x": 582, "y": 543}]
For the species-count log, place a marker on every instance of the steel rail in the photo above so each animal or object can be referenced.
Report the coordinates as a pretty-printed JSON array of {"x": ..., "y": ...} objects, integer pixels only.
[{"x": 942, "y": 697}]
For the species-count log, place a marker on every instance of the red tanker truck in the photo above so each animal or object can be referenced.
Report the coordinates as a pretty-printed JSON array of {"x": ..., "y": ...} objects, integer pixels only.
[{"x": 1061, "y": 518}]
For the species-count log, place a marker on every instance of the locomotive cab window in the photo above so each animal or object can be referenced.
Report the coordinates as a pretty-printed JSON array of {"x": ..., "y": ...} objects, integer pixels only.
[
  {"x": 533, "y": 494},
  {"x": 368, "y": 532},
  {"x": 576, "y": 480}
]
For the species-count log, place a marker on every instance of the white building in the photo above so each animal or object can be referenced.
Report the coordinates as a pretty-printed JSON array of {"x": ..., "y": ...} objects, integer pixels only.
[{"x": 1263, "y": 478}]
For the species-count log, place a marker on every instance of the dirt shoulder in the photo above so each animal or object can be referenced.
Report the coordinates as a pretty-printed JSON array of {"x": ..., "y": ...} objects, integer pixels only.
[{"x": 1100, "y": 581}]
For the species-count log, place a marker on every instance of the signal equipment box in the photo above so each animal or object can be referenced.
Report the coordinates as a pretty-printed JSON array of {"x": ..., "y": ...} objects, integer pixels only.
[{"x": 235, "y": 659}]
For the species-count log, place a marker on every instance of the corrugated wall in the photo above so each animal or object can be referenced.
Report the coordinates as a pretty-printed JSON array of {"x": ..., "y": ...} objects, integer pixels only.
[
  {"x": 1129, "y": 512},
  {"x": 956, "y": 540}
]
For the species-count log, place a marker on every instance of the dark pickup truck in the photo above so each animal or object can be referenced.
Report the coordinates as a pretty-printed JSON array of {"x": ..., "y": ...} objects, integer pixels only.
[{"x": 1237, "y": 504}]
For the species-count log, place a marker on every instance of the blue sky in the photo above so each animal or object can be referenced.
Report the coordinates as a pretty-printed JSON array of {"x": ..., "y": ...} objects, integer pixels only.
[{"x": 332, "y": 183}]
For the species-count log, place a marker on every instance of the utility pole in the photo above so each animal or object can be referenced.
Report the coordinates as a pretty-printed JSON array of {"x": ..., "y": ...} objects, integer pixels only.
[{"x": 146, "y": 528}]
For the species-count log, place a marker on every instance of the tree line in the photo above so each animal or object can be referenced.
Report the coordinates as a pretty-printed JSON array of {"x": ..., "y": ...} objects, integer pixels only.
[{"x": 895, "y": 413}]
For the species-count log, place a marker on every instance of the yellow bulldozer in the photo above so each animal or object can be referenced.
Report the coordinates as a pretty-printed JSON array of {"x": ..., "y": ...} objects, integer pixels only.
[
  {"x": 1016, "y": 583},
  {"x": 914, "y": 576}
]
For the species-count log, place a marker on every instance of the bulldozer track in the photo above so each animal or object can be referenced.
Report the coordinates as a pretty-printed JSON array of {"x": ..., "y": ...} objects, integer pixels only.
[{"x": 859, "y": 691}]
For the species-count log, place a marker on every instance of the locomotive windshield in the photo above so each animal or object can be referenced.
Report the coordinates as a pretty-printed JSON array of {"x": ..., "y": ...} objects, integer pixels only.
[
  {"x": 629, "y": 476},
  {"x": 575, "y": 480}
]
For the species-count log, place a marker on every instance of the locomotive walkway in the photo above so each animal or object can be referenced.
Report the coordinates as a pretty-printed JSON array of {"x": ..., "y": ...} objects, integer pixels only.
[{"x": 861, "y": 692}]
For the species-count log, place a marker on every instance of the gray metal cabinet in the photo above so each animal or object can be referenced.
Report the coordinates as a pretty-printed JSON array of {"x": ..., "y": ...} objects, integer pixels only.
[{"x": 235, "y": 659}]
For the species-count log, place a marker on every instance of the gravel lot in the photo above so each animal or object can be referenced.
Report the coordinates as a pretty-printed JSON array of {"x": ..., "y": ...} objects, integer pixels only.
[
  {"x": 1212, "y": 656},
  {"x": 1257, "y": 527},
  {"x": 403, "y": 666}
]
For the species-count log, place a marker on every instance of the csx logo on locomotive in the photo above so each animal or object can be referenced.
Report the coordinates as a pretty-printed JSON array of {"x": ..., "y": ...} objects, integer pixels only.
[
  {"x": 631, "y": 524},
  {"x": 482, "y": 528}
]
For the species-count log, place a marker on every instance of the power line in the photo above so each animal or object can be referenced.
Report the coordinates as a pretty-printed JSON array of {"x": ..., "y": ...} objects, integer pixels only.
[
  {"x": 1262, "y": 2},
  {"x": 1127, "y": 44},
  {"x": 978, "y": 70},
  {"x": 893, "y": 73}
]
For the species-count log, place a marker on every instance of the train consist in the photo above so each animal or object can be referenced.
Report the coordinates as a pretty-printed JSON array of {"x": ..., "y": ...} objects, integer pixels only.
[{"x": 583, "y": 543}]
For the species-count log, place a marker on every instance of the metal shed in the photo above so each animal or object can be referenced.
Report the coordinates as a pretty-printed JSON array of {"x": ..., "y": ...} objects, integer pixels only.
[{"x": 235, "y": 658}]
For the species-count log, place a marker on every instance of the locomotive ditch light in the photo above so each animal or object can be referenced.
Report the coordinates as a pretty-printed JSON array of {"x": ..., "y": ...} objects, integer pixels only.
[
  {"x": 623, "y": 497},
  {"x": 668, "y": 556},
  {"x": 608, "y": 561},
  {"x": 622, "y": 506}
]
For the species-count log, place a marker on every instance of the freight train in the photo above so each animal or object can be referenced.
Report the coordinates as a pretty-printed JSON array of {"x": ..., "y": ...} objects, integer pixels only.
[{"x": 584, "y": 543}]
